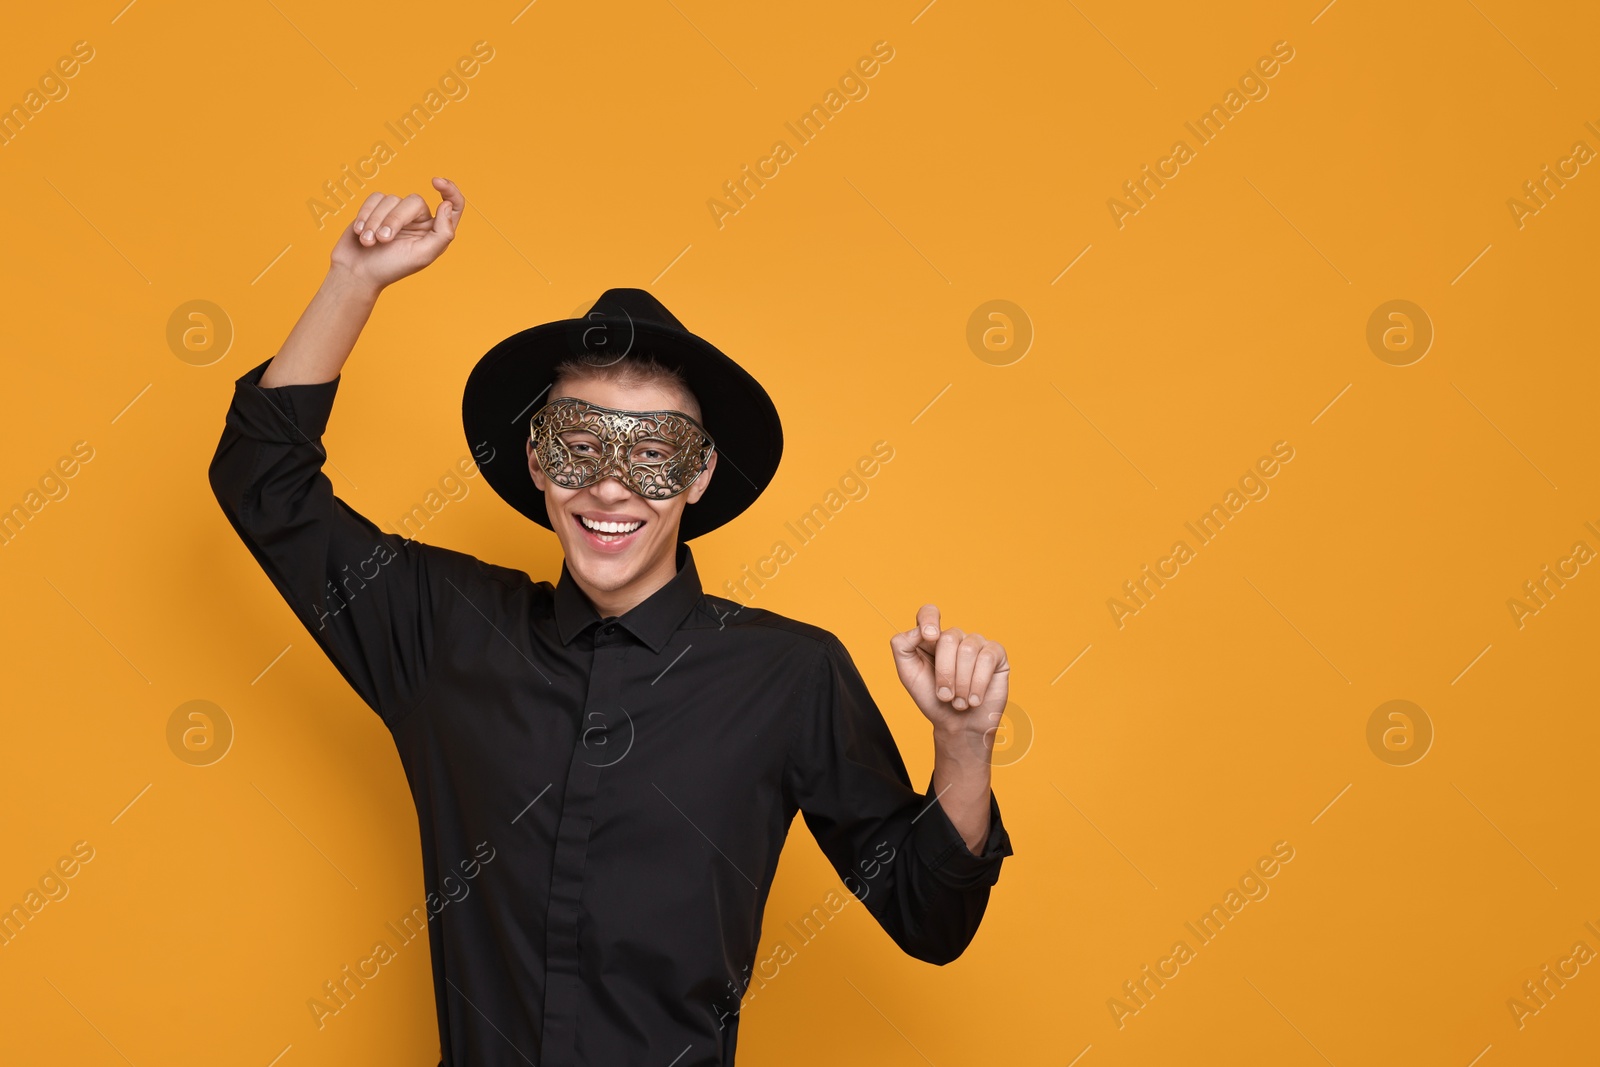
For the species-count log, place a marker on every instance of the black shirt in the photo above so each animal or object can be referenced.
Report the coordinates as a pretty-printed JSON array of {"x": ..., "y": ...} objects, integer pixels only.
[{"x": 601, "y": 802}]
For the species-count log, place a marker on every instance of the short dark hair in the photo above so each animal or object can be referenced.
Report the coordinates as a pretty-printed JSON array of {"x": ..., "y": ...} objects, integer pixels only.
[{"x": 635, "y": 368}]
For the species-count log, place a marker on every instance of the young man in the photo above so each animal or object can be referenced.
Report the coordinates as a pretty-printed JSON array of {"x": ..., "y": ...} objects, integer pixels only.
[{"x": 614, "y": 761}]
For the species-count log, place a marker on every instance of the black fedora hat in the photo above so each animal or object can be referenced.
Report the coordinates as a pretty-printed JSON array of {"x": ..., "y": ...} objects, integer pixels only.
[{"x": 513, "y": 380}]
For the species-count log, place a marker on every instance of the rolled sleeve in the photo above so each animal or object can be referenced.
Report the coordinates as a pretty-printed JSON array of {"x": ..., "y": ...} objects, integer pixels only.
[
  {"x": 895, "y": 848},
  {"x": 942, "y": 848},
  {"x": 284, "y": 414}
]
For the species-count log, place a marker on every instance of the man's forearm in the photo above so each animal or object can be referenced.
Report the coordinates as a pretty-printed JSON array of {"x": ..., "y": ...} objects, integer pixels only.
[
  {"x": 961, "y": 782},
  {"x": 316, "y": 349}
]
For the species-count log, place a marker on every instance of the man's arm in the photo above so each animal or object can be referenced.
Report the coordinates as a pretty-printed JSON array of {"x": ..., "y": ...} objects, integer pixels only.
[
  {"x": 390, "y": 239},
  {"x": 899, "y": 851},
  {"x": 316, "y": 349},
  {"x": 367, "y": 597},
  {"x": 961, "y": 782},
  {"x": 951, "y": 674}
]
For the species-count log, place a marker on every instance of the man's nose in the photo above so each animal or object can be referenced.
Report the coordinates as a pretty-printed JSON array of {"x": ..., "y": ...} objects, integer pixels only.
[{"x": 612, "y": 487}]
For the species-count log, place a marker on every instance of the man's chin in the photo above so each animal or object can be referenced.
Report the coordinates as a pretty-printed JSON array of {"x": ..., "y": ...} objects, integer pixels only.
[{"x": 605, "y": 567}]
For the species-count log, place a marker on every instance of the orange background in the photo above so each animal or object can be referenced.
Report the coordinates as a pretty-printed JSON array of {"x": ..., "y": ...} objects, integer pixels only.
[{"x": 1229, "y": 313}]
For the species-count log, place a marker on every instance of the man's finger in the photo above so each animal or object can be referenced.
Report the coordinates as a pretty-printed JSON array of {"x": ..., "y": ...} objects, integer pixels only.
[
  {"x": 966, "y": 659},
  {"x": 928, "y": 621},
  {"x": 400, "y": 216},
  {"x": 368, "y": 206},
  {"x": 989, "y": 658},
  {"x": 369, "y": 233},
  {"x": 444, "y": 220},
  {"x": 452, "y": 196},
  {"x": 944, "y": 664}
]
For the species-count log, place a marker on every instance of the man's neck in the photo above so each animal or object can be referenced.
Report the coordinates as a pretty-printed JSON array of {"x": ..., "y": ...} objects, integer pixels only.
[{"x": 612, "y": 602}]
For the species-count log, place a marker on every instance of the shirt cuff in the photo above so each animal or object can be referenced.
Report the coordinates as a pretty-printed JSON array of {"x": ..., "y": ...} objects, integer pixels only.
[
  {"x": 287, "y": 414},
  {"x": 942, "y": 849}
]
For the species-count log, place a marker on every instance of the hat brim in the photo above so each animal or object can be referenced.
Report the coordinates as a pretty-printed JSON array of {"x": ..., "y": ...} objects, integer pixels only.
[{"x": 513, "y": 380}]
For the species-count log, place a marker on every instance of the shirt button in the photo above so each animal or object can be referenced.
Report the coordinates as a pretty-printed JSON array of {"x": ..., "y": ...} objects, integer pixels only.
[{"x": 609, "y": 628}]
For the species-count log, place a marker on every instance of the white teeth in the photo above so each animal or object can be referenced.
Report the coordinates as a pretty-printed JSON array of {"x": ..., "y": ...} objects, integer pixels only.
[{"x": 610, "y": 527}]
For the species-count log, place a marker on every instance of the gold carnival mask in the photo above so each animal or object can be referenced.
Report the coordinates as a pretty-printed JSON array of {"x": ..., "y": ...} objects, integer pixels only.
[{"x": 657, "y": 454}]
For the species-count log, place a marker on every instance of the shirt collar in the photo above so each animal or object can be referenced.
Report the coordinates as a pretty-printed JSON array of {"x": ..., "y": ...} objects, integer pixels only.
[{"x": 652, "y": 621}]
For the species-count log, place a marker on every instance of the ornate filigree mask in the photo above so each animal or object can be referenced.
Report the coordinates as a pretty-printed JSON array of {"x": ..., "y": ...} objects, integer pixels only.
[{"x": 657, "y": 454}]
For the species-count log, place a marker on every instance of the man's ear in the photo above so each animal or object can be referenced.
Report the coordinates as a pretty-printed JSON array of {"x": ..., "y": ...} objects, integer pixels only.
[
  {"x": 703, "y": 482},
  {"x": 534, "y": 469}
]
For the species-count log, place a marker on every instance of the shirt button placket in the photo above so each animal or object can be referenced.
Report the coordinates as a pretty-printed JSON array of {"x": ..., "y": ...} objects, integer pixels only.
[{"x": 564, "y": 983}]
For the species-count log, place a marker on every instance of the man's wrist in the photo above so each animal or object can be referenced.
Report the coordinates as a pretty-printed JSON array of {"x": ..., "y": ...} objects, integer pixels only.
[
  {"x": 344, "y": 283},
  {"x": 964, "y": 745}
]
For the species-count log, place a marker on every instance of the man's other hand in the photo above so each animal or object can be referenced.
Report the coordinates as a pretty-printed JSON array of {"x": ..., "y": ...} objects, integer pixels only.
[
  {"x": 393, "y": 237},
  {"x": 960, "y": 681}
]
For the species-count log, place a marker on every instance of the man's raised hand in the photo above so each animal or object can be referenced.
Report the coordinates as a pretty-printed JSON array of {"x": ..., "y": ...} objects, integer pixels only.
[
  {"x": 392, "y": 237},
  {"x": 961, "y": 681}
]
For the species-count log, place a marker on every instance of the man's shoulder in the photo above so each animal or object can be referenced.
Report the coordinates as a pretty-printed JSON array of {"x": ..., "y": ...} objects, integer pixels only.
[
  {"x": 724, "y": 614},
  {"x": 469, "y": 572}
]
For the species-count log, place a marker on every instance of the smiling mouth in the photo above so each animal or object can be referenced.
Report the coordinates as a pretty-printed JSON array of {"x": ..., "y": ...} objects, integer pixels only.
[{"x": 609, "y": 533}]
